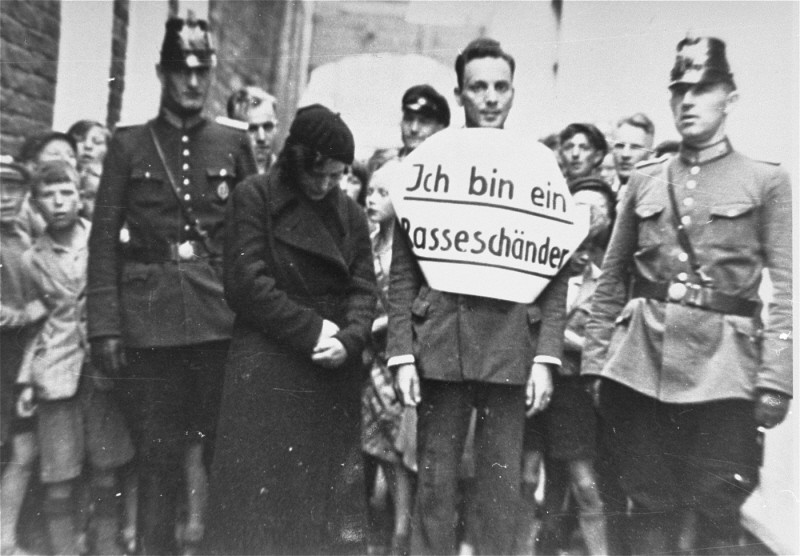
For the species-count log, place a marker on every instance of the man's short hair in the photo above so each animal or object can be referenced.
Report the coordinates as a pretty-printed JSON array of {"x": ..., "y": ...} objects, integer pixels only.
[
  {"x": 481, "y": 48},
  {"x": 241, "y": 101},
  {"x": 639, "y": 120},
  {"x": 594, "y": 136},
  {"x": 54, "y": 171}
]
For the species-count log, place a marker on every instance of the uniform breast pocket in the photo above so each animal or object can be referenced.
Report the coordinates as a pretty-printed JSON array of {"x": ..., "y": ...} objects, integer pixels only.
[
  {"x": 732, "y": 223},
  {"x": 651, "y": 225},
  {"x": 220, "y": 183},
  {"x": 149, "y": 188}
]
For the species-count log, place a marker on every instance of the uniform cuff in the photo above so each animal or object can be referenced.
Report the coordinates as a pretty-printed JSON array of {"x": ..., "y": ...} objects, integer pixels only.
[
  {"x": 398, "y": 360},
  {"x": 549, "y": 359}
]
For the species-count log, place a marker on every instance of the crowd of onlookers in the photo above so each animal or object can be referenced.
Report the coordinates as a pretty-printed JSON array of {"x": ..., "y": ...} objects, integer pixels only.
[{"x": 315, "y": 346}]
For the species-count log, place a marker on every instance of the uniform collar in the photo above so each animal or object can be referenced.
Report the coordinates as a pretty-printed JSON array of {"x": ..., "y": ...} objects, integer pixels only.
[
  {"x": 693, "y": 156},
  {"x": 176, "y": 121}
]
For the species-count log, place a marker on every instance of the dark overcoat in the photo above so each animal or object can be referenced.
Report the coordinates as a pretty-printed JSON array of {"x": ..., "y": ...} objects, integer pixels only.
[{"x": 286, "y": 478}]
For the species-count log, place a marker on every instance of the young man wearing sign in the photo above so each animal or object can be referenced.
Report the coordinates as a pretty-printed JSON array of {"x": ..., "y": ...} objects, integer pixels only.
[
  {"x": 455, "y": 352},
  {"x": 689, "y": 371}
]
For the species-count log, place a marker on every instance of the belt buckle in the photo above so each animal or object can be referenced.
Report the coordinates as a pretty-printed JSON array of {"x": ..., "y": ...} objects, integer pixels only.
[
  {"x": 186, "y": 251},
  {"x": 677, "y": 291}
]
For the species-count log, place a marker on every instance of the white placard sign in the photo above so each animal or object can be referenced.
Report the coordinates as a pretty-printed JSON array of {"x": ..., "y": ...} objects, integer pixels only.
[{"x": 487, "y": 213}]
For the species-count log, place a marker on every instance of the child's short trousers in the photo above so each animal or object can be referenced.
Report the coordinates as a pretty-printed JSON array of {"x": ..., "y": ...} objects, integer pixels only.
[{"x": 87, "y": 426}]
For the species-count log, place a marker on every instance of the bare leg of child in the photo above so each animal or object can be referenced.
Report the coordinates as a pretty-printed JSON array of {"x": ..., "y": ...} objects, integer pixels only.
[
  {"x": 196, "y": 496},
  {"x": 590, "y": 506},
  {"x": 59, "y": 510},
  {"x": 403, "y": 506},
  {"x": 130, "y": 495},
  {"x": 13, "y": 486}
]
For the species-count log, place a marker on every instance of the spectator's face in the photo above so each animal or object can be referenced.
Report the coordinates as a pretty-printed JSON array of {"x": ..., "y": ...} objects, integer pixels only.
[
  {"x": 700, "y": 111},
  {"x": 351, "y": 185},
  {"x": 12, "y": 193},
  {"x": 608, "y": 170},
  {"x": 415, "y": 128},
  {"x": 579, "y": 157},
  {"x": 59, "y": 204},
  {"x": 631, "y": 145},
  {"x": 57, "y": 149},
  {"x": 322, "y": 178},
  {"x": 487, "y": 92},
  {"x": 379, "y": 205},
  {"x": 92, "y": 148},
  {"x": 263, "y": 126},
  {"x": 599, "y": 210},
  {"x": 185, "y": 90}
]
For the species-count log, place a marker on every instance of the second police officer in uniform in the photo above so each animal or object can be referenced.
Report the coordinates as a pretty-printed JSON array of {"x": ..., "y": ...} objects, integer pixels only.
[
  {"x": 158, "y": 320},
  {"x": 689, "y": 371}
]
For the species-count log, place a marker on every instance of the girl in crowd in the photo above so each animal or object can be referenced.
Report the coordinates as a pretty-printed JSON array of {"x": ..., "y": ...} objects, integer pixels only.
[
  {"x": 298, "y": 275},
  {"x": 389, "y": 438}
]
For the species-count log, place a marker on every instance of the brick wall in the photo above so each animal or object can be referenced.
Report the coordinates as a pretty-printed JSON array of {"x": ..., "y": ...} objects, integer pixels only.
[
  {"x": 119, "y": 44},
  {"x": 29, "y": 35}
]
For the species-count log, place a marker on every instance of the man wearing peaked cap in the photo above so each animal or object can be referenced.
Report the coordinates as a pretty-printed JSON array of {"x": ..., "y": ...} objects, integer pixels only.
[
  {"x": 690, "y": 374},
  {"x": 158, "y": 321},
  {"x": 425, "y": 112}
]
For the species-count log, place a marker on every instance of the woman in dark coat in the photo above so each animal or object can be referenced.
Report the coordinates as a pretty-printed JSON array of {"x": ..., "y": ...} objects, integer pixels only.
[{"x": 299, "y": 276}]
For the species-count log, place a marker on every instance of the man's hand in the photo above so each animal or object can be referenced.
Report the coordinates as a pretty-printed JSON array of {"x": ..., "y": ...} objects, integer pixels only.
[
  {"x": 109, "y": 355},
  {"x": 26, "y": 404},
  {"x": 329, "y": 353},
  {"x": 771, "y": 408},
  {"x": 538, "y": 389},
  {"x": 407, "y": 381}
]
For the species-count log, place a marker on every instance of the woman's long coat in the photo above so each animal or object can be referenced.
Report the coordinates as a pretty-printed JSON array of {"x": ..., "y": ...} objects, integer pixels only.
[{"x": 286, "y": 476}]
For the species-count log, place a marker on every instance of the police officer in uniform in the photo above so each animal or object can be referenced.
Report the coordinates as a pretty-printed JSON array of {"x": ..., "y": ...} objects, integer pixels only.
[
  {"x": 690, "y": 373},
  {"x": 158, "y": 321}
]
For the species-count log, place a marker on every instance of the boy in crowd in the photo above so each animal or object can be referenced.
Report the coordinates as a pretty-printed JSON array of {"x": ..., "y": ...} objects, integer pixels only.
[
  {"x": 76, "y": 415},
  {"x": 19, "y": 313}
]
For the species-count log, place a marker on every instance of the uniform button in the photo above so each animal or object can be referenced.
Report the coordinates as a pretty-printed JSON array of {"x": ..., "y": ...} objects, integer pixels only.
[
  {"x": 683, "y": 257},
  {"x": 187, "y": 227},
  {"x": 185, "y": 152},
  {"x": 185, "y": 181},
  {"x": 688, "y": 202},
  {"x": 686, "y": 220},
  {"x": 695, "y": 170},
  {"x": 223, "y": 172},
  {"x": 185, "y": 138},
  {"x": 185, "y": 166},
  {"x": 682, "y": 276},
  {"x": 187, "y": 197},
  {"x": 691, "y": 184}
]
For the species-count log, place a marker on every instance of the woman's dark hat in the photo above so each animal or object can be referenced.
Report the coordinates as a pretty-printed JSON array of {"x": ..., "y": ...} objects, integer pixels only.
[
  {"x": 320, "y": 129},
  {"x": 187, "y": 44},
  {"x": 425, "y": 100},
  {"x": 701, "y": 60}
]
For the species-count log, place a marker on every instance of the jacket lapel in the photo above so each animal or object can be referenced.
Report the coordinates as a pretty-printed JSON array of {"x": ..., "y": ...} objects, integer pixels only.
[{"x": 296, "y": 224}]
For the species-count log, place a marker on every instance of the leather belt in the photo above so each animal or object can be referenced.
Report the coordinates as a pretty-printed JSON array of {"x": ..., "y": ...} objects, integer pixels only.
[
  {"x": 186, "y": 251},
  {"x": 695, "y": 295}
]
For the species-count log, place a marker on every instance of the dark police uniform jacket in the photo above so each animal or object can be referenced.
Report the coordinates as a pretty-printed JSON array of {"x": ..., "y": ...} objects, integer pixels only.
[
  {"x": 737, "y": 213},
  {"x": 162, "y": 284}
]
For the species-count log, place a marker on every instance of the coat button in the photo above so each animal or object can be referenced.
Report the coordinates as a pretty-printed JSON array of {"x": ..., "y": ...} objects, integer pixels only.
[
  {"x": 682, "y": 276},
  {"x": 686, "y": 220},
  {"x": 185, "y": 181},
  {"x": 187, "y": 197},
  {"x": 677, "y": 291},
  {"x": 147, "y": 175},
  {"x": 185, "y": 138},
  {"x": 223, "y": 172},
  {"x": 185, "y": 166},
  {"x": 691, "y": 184},
  {"x": 185, "y": 152},
  {"x": 683, "y": 257},
  {"x": 694, "y": 170},
  {"x": 688, "y": 202}
]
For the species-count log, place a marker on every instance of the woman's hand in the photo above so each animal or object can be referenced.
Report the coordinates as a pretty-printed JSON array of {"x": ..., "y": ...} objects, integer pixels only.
[{"x": 329, "y": 353}]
